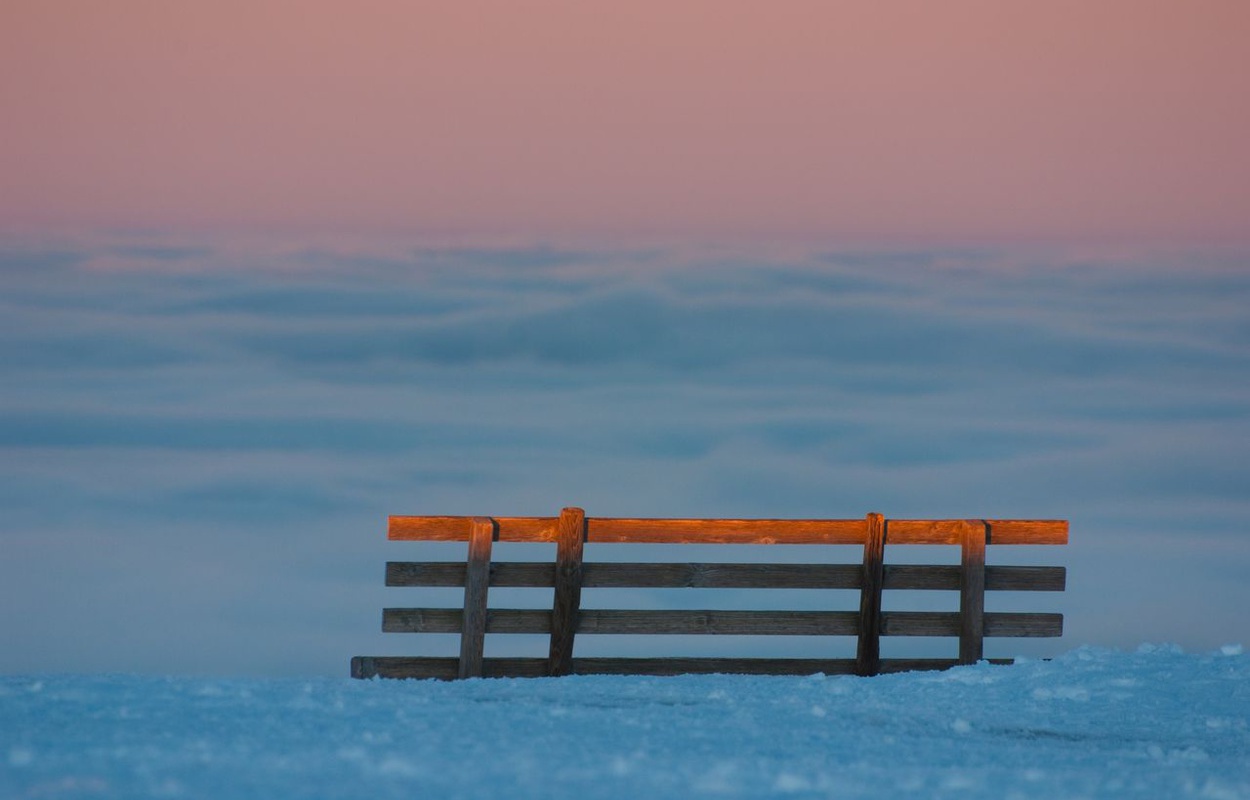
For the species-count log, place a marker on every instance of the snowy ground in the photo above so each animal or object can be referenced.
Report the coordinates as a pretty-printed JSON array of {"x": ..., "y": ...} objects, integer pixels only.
[{"x": 1156, "y": 723}]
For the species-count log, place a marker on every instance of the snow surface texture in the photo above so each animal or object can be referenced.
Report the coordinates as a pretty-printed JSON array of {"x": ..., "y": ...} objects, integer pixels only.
[{"x": 1157, "y": 723}]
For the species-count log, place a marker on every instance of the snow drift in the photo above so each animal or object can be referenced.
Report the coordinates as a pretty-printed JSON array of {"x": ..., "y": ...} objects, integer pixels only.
[{"x": 1156, "y": 723}]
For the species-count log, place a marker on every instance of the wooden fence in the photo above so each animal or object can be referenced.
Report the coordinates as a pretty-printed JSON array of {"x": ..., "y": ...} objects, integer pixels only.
[{"x": 568, "y": 575}]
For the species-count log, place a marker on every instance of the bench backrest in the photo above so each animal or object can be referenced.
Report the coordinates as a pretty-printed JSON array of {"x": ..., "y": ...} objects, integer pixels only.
[{"x": 568, "y": 575}]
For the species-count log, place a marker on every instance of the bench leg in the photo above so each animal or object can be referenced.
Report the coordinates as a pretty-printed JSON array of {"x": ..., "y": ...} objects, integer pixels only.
[
  {"x": 868, "y": 655},
  {"x": 570, "y": 537},
  {"x": 476, "y": 582},
  {"x": 972, "y": 593}
]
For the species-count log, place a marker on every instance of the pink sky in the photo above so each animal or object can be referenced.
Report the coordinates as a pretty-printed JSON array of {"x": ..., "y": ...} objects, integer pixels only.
[{"x": 1086, "y": 120}]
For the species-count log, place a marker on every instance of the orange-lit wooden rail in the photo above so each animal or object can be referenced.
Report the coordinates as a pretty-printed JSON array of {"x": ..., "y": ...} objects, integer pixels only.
[{"x": 568, "y": 575}]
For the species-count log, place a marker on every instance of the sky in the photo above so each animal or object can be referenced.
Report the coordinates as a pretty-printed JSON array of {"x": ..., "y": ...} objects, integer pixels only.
[
  {"x": 270, "y": 272},
  {"x": 954, "y": 121}
]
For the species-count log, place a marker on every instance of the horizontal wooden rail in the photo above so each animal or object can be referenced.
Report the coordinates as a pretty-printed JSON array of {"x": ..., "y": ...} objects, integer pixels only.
[
  {"x": 446, "y": 668},
  {"x": 725, "y": 576},
  {"x": 1013, "y": 579},
  {"x": 456, "y": 529},
  {"x": 998, "y": 531},
  {"x": 725, "y": 531},
  {"x": 731, "y": 531},
  {"x": 603, "y": 621},
  {"x": 946, "y": 623},
  {"x": 689, "y": 622}
]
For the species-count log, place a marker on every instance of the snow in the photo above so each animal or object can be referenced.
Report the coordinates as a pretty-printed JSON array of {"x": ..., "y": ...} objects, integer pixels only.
[{"x": 1156, "y": 723}]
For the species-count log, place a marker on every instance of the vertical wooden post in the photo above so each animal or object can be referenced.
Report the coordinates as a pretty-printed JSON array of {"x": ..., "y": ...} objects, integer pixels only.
[
  {"x": 570, "y": 537},
  {"x": 868, "y": 655},
  {"x": 476, "y": 583},
  {"x": 972, "y": 592}
]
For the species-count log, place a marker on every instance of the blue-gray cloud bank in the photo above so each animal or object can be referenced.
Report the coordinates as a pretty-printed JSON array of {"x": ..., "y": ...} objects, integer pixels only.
[{"x": 198, "y": 448}]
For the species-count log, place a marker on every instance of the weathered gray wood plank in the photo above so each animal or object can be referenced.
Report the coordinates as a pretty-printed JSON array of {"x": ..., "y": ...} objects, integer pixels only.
[
  {"x": 637, "y": 575},
  {"x": 605, "y": 621},
  {"x": 727, "y": 576},
  {"x": 947, "y": 577},
  {"x": 946, "y": 623},
  {"x": 760, "y": 623},
  {"x": 822, "y": 623},
  {"x": 892, "y": 665},
  {"x": 729, "y": 666},
  {"x": 1031, "y": 625},
  {"x": 426, "y": 667},
  {"x": 722, "y": 576}
]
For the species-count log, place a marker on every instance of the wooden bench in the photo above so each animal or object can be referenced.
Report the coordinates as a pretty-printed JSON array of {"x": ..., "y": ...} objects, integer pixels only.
[{"x": 568, "y": 575}]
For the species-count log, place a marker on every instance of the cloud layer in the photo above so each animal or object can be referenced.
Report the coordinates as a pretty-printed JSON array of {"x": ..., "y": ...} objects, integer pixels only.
[{"x": 198, "y": 445}]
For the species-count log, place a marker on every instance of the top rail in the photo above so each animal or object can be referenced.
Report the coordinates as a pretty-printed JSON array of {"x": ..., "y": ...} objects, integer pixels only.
[{"x": 734, "y": 531}]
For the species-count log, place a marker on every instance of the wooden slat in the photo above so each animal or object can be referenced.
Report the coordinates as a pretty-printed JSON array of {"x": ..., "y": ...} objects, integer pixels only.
[
  {"x": 1026, "y": 579},
  {"x": 872, "y": 574},
  {"x": 566, "y": 597},
  {"x": 1023, "y": 625},
  {"x": 796, "y": 623},
  {"x": 892, "y": 665},
  {"x": 613, "y": 621},
  {"x": 921, "y": 577},
  {"x": 972, "y": 593},
  {"x": 1018, "y": 579},
  {"x": 920, "y": 623},
  {"x": 429, "y": 573},
  {"x": 827, "y": 623},
  {"x": 476, "y": 583},
  {"x": 727, "y": 576},
  {"x": 706, "y": 666},
  {"x": 456, "y": 529},
  {"x": 836, "y": 623},
  {"x": 450, "y": 620},
  {"x": 451, "y": 573},
  {"x": 1028, "y": 531},
  {"x": 434, "y": 529},
  {"x": 1001, "y": 531},
  {"x": 946, "y": 623},
  {"x": 726, "y": 531},
  {"x": 445, "y": 668},
  {"x": 722, "y": 576},
  {"x": 925, "y": 531}
]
